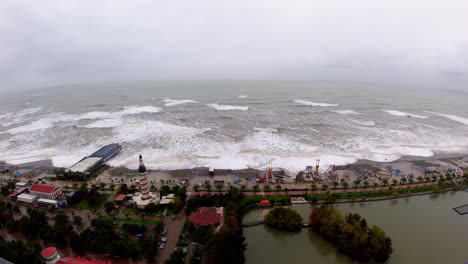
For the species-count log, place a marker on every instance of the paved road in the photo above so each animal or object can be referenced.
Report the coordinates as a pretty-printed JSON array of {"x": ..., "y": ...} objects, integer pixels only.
[{"x": 174, "y": 228}]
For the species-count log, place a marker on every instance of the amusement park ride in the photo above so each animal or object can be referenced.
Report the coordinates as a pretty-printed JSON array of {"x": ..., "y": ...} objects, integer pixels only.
[{"x": 309, "y": 173}]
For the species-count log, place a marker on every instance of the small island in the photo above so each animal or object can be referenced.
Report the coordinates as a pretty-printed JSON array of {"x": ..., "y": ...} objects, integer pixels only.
[
  {"x": 284, "y": 218},
  {"x": 351, "y": 234}
]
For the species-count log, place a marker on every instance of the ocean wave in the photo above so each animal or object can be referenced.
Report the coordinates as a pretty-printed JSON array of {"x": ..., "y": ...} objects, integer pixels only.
[
  {"x": 308, "y": 103},
  {"x": 219, "y": 107},
  {"x": 399, "y": 113},
  {"x": 363, "y": 123},
  {"x": 266, "y": 129},
  {"x": 346, "y": 112},
  {"x": 455, "y": 118},
  {"x": 105, "y": 123},
  {"x": 243, "y": 96},
  {"x": 172, "y": 102}
]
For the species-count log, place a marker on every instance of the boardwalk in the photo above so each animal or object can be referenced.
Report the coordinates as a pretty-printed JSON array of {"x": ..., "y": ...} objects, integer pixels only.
[{"x": 331, "y": 191}]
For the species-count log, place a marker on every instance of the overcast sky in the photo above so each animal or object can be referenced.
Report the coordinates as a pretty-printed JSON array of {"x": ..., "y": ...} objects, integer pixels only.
[{"x": 420, "y": 43}]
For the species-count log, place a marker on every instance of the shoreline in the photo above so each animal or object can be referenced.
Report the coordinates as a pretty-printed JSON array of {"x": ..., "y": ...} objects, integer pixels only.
[{"x": 47, "y": 166}]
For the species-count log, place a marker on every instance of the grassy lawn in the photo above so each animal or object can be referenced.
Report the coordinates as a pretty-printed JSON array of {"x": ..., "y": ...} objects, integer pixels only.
[
  {"x": 84, "y": 205},
  {"x": 130, "y": 220},
  {"x": 130, "y": 210}
]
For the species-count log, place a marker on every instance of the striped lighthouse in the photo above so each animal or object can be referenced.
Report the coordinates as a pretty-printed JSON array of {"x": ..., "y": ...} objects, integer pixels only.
[{"x": 144, "y": 185}]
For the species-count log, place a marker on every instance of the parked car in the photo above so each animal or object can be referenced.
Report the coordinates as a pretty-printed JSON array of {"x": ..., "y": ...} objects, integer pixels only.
[
  {"x": 164, "y": 240},
  {"x": 162, "y": 246}
]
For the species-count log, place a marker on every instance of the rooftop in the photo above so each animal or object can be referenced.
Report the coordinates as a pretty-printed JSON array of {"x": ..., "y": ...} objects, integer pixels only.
[
  {"x": 121, "y": 197},
  {"x": 49, "y": 252},
  {"x": 107, "y": 151},
  {"x": 85, "y": 164},
  {"x": 206, "y": 216},
  {"x": 43, "y": 188}
]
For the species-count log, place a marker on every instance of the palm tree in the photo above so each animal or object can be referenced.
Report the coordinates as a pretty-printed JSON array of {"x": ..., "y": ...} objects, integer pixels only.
[
  {"x": 356, "y": 183},
  {"x": 142, "y": 216},
  {"x": 345, "y": 185},
  {"x": 126, "y": 215},
  {"x": 278, "y": 187},
  {"x": 420, "y": 179},
  {"x": 243, "y": 187},
  {"x": 385, "y": 182},
  {"x": 395, "y": 182},
  {"x": 375, "y": 185},
  {"x": 324, "y": 187},
  {"x": 208, "y": 187},
  {"x": 404, "y": 180},
  {"x": 366, "y": 184},
  {"x": 335, "y": 184},
  {"x": 195, "y": 187},
  {"x": 434, "y": 178},
  {"x": 266, "y": 188},
  {"x": 427, "y": 178},
  {"x": 411, "y": 181},
  {"x": 314, "y": 186},
  {"x": 256, "y": 188},
  {"x": 219, "y": 187}
]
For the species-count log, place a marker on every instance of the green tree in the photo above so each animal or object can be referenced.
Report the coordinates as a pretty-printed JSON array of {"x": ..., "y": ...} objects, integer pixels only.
[
  {"x": 356, "y": 183},
  {"x": 345, "y": 185},
  {"x": 284, "y": 218},
  {"x": 256, "y": 188},
  {"x": 335, "y": 184},
  {"x": 266, "y": 188},
  {"x": 195, "y": 187},
  {"x": 278, "y": 187},
  {"x": 208, "y": 187}
]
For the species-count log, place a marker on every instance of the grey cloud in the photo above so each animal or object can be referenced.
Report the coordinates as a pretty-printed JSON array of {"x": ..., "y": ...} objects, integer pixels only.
[{"x": 397, "y": 42}]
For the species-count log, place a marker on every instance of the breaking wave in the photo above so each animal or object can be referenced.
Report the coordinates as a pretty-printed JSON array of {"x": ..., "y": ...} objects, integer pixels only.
[
  {"x": 243, "y": 96},
  {"x": 172, "y": 102},
  {"x": 399, "y": 113},
  {"x": 346, "y": 112},
  {"x": 455, "y": 118},
  {"x": 308, "y": 103},
  {"x": 219, "y": 107}
]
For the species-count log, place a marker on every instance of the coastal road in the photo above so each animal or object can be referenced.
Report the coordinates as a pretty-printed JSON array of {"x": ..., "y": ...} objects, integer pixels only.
[{"x": 174, "y": 228}]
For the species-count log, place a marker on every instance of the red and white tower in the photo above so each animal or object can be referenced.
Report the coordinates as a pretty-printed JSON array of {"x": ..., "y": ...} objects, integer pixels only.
[{"x": 144, "y": 185}]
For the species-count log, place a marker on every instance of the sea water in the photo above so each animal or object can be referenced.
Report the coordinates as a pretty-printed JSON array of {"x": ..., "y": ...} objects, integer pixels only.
[{"x": 231, "y": 124}]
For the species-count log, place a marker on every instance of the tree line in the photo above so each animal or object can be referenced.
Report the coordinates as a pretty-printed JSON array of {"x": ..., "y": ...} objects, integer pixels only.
[{"x": 351, "y": 234}]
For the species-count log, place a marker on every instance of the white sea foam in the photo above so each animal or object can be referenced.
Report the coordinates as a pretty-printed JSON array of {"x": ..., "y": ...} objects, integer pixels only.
[
  {"x": 399, "y": 113},
  {"x": 346, "y": 112},
  {"x": 172, "y": 102},
  {"x": 455, "y": 118},
  {"x": 267, "y": 129},
  {"x": 303, "y": 102},
  {"x": 133, "y": 110},
  {"x": 219, "y": 107},
  {"x": 105, "y": 123},
  {"x": 243, "y": 96},
  {"x": 362, "y": 123}
]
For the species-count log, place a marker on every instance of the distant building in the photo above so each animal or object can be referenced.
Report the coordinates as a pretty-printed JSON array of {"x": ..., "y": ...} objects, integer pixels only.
[
  {"x": 92, "y": 163},
  {"x": 46, "y": 191},
  {"x": 51, "y": 256},
  {"x": 208, "y": 216}
]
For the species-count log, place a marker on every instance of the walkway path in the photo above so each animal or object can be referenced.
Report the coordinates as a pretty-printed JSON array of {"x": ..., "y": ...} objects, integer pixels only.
[{"x": 331, "y": 191}]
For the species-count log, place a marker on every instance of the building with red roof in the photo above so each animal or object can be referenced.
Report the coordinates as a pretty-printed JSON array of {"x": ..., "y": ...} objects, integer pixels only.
[
  {"x": 46, "y": 191},
  {"x": 51, "y": 256},
  {"x": 207, "y": 216},
  {"x": 120, "y": 198}
]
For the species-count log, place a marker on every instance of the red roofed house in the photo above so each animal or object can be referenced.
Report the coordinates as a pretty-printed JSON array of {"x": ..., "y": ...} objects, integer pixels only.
[
  {"x": 51, "y": 256},
  {"x": 46, "y": 191},
  {"x": 207, "y": 216}
]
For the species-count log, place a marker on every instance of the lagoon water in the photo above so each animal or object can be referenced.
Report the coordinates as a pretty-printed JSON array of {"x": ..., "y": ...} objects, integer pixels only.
[{"x": 423, "y": 229}]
